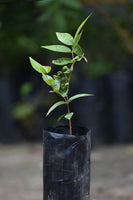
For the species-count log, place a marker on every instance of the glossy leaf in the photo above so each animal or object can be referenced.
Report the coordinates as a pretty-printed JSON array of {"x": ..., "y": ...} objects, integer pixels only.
[
  {"x": 58, "y": 48},
  {"x": 81, "y": 26},
  {"x": 45, "y": 69},
  {"x": 60, "y": 117},
  {"x": 55, "y": 106},
  {"x": 65, "y": 38},
  {"x": 69, "y": 115},
  {"x": 35, "y": 64},
  {"x": 48, "y": 79},
  {"x": 38, "y": 67},
  {"x": 76, "y": 40},
  {"x": 78, "y": 96},
  {"x": 62, "y": 61},
  {"x": 78, "y": 51}
]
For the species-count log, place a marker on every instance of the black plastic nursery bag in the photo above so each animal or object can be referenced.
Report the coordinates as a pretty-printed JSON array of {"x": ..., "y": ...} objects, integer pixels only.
[{"x": 66, "y": 164}]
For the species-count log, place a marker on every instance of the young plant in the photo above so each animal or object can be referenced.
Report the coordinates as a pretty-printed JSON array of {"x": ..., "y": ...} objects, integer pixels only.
[{"x": 60, "y": 82}]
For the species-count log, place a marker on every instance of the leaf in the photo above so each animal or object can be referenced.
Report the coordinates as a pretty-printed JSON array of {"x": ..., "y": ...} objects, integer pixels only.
[
  {"x": 45, "y": 69},
  {"x": 71, "y": 68},
  {"x": 78, "y": 51},
  {"x": 35, "y": 64},
  {"x": 48, "y": 79},
  {"x": 64, "y": 92},
  {"x": 38, "y": 67},
  {"x": 60, "y": 117},
  {"x": 56, "y": 85},
  {"x": 81, "y": 26},
  {"x": 76, "y": 40},
  {"x": 55, "y": 106},
  {"x": 78, "y": 96},
  {"x": 65, "y": 38},
  {"x": 69, "y": 115},
  {"x": 76, "y": 58},
  {"x": 62, "y": 61},
  {"x": 58, "y": 48}
]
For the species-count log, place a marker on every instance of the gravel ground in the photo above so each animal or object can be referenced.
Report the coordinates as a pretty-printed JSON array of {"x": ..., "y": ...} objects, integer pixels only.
[{"x": 21, "y": 172}]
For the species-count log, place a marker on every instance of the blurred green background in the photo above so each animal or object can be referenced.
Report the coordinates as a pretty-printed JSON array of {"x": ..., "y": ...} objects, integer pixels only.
[{"x": 108, "y": 44}]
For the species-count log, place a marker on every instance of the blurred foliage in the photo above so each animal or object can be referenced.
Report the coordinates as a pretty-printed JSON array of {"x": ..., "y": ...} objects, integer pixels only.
[
  {"x": 99, "y": 67},
  {"x": 26, "y": 25},
  {"x": 26, "y": 88},
  {"x": 22, "y": 110}
]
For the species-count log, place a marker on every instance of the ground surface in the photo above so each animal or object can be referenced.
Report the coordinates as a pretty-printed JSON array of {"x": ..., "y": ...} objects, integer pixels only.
[{"x": 21, "y": 172}]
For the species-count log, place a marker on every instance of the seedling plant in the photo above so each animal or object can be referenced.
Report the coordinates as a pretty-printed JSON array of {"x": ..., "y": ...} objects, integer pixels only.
[{"x": 60, "y": 82}]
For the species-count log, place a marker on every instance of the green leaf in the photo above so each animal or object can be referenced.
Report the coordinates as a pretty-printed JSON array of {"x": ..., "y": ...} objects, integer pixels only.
[
  {"x": 78, "y": 51},
  {"x": 81, "y": 26},
  {"x": 48, "y": 79},
  {"x": 71, "y": 68},
  {"x": 76, "y": 40},
  {"x": 38, "y": 67},
  {"x": 60, "y": 117},
  {"x": 55, "y": 106},
  {"x": 58, "y": 48},
  {"x": 64, "y": 92},
  {"x": 45, "y": 69},
  {"x": 69, "y": 115},
  {"x": 56, "y": 85},
  {"x": 62, "y": 61},
  {"x": 76, "y": 58},
  {"x": 65, "y": 38},
  {"x": 35, "y": 64},
  {"x": 78, "y": 96}
]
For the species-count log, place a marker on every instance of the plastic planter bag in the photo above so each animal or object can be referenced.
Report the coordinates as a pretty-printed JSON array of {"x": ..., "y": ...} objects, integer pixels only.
[{"x": 66, "y": 164}]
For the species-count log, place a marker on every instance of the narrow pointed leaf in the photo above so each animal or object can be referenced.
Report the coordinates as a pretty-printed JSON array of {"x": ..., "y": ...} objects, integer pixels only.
[
  {"x": 78, "y": 96},
  {"x": 81, "y": 26},
  {"x": 62, "y": 61},
  {"x": 48, "y": 79},
  {"x": 58, "y": 48},
  {"x": 78, "y": 51},
  {"x": 76, "y": 40},
  {"x": 55, "y": 106},
  {"x": 35, "y": 64},
  {"x": 69, "y": 115},
  {"x": 65, "y": 38},
  {"x": 60, "y": 117}
]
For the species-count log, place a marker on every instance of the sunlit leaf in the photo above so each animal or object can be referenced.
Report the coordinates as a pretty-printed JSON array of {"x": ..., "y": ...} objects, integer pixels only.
[
  {"x": 81, "y": 26},
  {"x": 76, "y": 40},
  {"x": 38, "y": 67},
  {"x": 78, "y": 51},
  {"x": 48, "y": 79},
  {"x": 58, "y": 48},
  {"x": 78, "y": 96},
  {"x": 69, "y": 115},
  {"x": 65, "y": 38},
  {"x": 55, "y": 106},
  {"x": 62, "y": 61},
  {"x": 35, "y": 64},
  {"x": 45, "y": 69}
]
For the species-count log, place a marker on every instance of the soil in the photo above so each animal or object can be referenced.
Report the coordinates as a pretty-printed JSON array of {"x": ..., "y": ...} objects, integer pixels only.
[{"x": 21, "y": 172}]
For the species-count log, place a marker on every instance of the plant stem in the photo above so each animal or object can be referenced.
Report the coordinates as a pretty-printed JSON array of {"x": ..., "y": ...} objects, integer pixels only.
[
  {"x": 68, "y": 107},
  {"x": 70, "y": 123}
]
